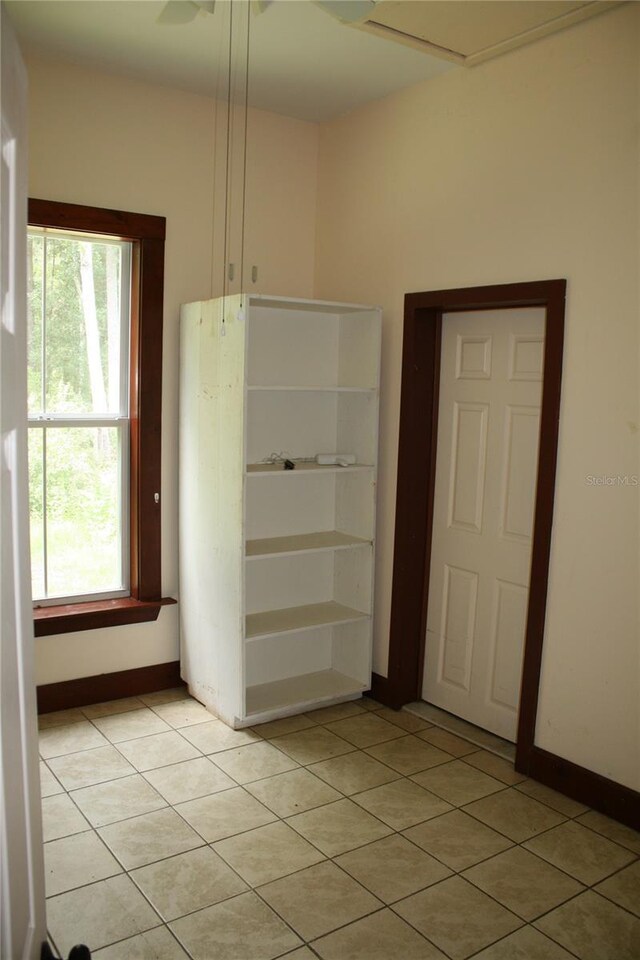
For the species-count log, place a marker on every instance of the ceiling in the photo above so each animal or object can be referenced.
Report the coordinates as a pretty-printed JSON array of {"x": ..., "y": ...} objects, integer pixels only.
[{"x": 303, "y": 61}]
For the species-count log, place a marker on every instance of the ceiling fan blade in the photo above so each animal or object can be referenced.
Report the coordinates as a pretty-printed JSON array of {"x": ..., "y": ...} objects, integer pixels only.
[{"x": 177, "y": 11}]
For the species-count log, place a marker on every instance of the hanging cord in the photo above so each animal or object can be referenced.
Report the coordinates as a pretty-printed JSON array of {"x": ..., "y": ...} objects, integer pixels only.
[
  {"x": 216, "y": 160},
  {"x": 244, "y": 144},
  {"x": 227, "y": 179}
]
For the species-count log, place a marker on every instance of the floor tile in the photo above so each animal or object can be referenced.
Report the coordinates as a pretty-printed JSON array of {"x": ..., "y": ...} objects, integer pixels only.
[
  {"x": 255, "y": 761},
  {"x": 148, "y": 838},
  {"x": 522, "y": 882},
  {"x": 112, "y": 707},
  {"x": 401, "y": 804},
  {"x": 448, "y": 742},
  {"x": 409, "y": 755},
  {"x": 188, "y": 882},
  {"x": 58, "y": 741},
  {"x": 313, "y": 745},
  {"x": 108, "y": 802},
  {"x": 622, "y": 834},
  {"x": 293, "y": 792},
  {"x": 278, "y": 728},
  {"x": 457, "y": 917},
  {"x": 158, "y": 944},
  {"x": 61, "y": 818},
  {"x": 59, "y": 718},
  {"x": 303, "y": 953},
  {"x": 165, "y": 696},
  {"x": 225, "y": 814},
  {"x": 183, "y": 713},
  {"x": 49, "y": 786},
  {"x": 624, "y": 888},
  {"x": 495, "y": 766},
  {"x": 339, "y": 711},
  {"x": 365, "y": 730},
  {"x": 593, "y": 929},
  {"x": 353, "y": 772},
  {"x": 131, "y": 725},
  {"x": 525, "y": 944},
  {"x": 76, "y": 861},
  {"x": 188, "y": 780},
  {"x": 380, "y": 936},
  {"x": 367, "y": 703},
  {"x": 99, "y": 914},
  {"x": 557, "y": 801},
  {"x": 403, "y": 719},
  {"x": 580, "y": 852},
  {"x": 267, "y": 853},
  {"x": 457, "y": 839},
  {"x": 457, "y": 782},
  {"x": 318, "y": 899},
  {"x": 517, "y": 816},
  {"x": 392, "y": 868},
  {"x": 338, "y": 827},
  {"x": 242, "y": 928},
  {"x": 158, "y": 750},
  {"x": 91, "y": 766},
  {"x": 215, "y": 735}
]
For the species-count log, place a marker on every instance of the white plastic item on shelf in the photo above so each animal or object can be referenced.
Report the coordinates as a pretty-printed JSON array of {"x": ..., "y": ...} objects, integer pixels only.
[{"x": 343, "y": 459}]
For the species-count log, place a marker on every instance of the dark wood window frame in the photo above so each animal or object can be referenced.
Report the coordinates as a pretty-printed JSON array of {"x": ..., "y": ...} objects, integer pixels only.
[
  {"x": 416, "y": 480},
  {"x": 147, "y": 235}
]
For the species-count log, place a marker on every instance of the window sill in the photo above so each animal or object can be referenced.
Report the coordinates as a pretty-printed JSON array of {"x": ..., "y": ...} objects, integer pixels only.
[{"x": 90, "y": 615}]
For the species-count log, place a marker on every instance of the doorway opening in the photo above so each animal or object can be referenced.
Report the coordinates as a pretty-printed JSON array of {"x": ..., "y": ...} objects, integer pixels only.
[{"x": 417, "y": 479}]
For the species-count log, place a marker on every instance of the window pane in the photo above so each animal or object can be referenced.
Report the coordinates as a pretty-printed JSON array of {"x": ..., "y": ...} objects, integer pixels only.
[
  {"x": 35, "y": 255},
  {"x": 83, "y": 327},
  {"x": 83, "y": 510},
  {"x": 36, "y": 513}
]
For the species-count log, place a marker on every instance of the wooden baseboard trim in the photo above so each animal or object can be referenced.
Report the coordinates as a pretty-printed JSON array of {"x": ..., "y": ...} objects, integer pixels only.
[
  {"x": 601, "y": 794},
  {"x": 383, "y": 691},
  {"x": 108, "y": 686}
]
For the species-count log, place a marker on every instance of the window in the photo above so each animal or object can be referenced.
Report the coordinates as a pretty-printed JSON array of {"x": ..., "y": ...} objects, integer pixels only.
[{"x": 95, "y": 285}]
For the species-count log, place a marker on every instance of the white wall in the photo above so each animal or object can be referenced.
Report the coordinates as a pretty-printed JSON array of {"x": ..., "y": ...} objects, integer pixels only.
[
  {"x": 523, "y": 168},
  {"x": 108, "y": 141}
]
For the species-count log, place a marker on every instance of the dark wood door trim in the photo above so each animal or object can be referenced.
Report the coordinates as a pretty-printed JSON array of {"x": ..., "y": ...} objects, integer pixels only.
[{"x": 416, "y": 477}]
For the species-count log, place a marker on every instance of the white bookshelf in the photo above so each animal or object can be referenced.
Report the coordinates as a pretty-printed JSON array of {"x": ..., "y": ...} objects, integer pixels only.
[{"x": 276, "y": 566}]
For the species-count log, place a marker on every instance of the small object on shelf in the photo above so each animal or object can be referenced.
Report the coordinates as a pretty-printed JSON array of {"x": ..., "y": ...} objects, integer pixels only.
[
  {"x": 289, "y": 465},
  {"x": 343, "y": 459}
]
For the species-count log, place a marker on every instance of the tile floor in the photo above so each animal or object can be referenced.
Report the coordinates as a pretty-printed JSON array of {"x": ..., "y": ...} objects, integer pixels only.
[{"x": 348, "y": 833}]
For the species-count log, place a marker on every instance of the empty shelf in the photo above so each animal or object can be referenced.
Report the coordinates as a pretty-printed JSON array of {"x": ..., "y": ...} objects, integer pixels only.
[
  {"x": 291, "y": 619},
  {"x": 297, "y": 691},
  {"x": 303, "y": 542},
  {"x": 313, "y": 389}
]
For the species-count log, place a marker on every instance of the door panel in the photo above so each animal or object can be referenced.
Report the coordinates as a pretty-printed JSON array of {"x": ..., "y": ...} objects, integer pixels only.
[
  {"x": 22, "y": 921},
  {"x": 487, "y": 454}
]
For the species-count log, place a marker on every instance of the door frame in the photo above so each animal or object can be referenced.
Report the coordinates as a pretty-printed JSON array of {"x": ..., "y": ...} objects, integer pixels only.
[{"x": 416, "y": 474}]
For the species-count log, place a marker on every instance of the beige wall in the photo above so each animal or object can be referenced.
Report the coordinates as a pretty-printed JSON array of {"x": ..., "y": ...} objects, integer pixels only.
[
  {"x": 107, "y": 141},
  {"x": 523, "y": 168}
]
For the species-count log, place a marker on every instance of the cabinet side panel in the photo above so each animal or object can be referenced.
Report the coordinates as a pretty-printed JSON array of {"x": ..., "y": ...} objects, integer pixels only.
[{"x": 211, "y": 502}]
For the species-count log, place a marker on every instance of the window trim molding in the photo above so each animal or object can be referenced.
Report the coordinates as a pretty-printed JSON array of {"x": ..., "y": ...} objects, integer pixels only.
[{"x": 147, "y": 233}]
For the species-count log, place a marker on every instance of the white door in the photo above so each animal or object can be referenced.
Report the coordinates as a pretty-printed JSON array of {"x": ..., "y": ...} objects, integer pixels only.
[
  {"x": 486, "y": 466},
  {"x": 22, "y": 910}
]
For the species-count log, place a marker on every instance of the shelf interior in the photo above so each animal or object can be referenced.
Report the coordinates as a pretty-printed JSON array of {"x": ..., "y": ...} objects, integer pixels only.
[
  {"x": 305, "y": 467},
  {"x": 307, "y": 617},
  {"x": 320, "y": 540},
  {"x": 300, "y": 690}
]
